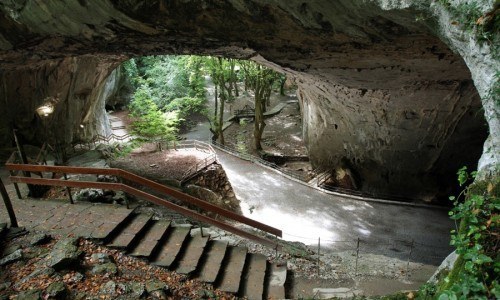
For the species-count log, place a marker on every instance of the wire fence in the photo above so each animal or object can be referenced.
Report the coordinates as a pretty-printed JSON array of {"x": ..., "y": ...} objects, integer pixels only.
[
  {"x": 260, "y": 161},
  {"x": 366, "y": 256}
]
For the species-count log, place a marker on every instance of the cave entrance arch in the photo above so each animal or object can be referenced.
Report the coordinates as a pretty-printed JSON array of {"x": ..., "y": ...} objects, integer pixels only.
[{"x": 378, "y": 89}]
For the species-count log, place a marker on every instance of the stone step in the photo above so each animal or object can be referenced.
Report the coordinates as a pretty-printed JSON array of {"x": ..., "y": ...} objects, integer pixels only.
[
  {"x": 171, "y": 248},
  {"x": 112, "y": 224},
  {"x": 252, "y": 286},
  {"x": 231, "y": 276},
  {"x": 193, "y": 252},
  {"x": 276, "y": 284},
  {"x": 216, "y": 250},
  {"x": 150, "y": 240},
  {"x": 124, "y": 239}
]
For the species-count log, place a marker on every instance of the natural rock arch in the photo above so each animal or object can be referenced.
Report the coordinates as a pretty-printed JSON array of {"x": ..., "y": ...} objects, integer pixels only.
[{"x": 379, "y": 86}]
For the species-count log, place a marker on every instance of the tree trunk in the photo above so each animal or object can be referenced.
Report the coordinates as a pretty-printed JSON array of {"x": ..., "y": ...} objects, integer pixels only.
[
  {"x": 221, "y": 121},
  {"x": 216, "y": 102},
  {"x": 282, "y": 85}
]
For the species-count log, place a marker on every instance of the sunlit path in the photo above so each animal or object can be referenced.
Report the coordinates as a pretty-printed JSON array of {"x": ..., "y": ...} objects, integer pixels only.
[{"x": 305, "y": 214}]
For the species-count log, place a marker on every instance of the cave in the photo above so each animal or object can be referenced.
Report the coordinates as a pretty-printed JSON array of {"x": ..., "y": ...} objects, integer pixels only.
[{"x": 392, "y": 91}]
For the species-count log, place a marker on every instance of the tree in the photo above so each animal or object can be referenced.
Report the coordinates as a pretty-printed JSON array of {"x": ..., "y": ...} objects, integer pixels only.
[
  {"x": 223, "y": 75},
  {"x": 150, "y": 122},
  {"x": 261, "y": 79},
  {"x": 175, "y": 84}
]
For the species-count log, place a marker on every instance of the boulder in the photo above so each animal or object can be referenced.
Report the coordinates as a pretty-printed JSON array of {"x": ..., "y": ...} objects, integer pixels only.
[
  {"x": 100, "y": 258},
  {"x": 65, "y": 254},
  {"x": 39, "y": 239},
  {"x": 30, "y": 295},
  {"x": 137, "y": 289},
  {"x": 109, "y": 288},
  {"x": 13, "y": 257},
  {"x": 106, "y": 268},
  {"x": 56, "y": 290}
]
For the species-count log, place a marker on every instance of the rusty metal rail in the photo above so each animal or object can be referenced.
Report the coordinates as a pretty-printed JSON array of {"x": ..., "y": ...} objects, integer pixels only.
[{"x": 164, "y": 190}]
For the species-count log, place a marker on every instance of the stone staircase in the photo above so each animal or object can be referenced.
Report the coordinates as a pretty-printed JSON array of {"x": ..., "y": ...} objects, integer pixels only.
[{"x": 175, "y": 247}]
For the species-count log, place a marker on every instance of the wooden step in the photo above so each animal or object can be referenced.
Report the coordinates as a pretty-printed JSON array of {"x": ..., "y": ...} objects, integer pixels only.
[
  {"x": 276, "y": 286},
  {"x": 214, "y": 255},
  {"x": 132, "y": 230},
  {"x": 171, "y": 248},
  {"x": 149, "y": 241},
  {"x": 231, "y": 276},
  {"x": 192, "y": 255},
  {"x": 253, "y": 280}
]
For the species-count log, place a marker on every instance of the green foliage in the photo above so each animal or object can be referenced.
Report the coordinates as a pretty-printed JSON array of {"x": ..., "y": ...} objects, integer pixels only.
[
  {"x": 476, "y": 272},
  {"x": 427, "y": 291},
  {"x": 150, "y": 122},
  {"x": 471, "y": 18},
  {"x": 167, "y": 87},
  {"x": 187, "y": 105}
]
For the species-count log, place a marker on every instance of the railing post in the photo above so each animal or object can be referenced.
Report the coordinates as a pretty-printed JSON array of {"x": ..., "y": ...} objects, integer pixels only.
[
  {"x": 16, "y": 186},
  {"x": 357, "y": 256},
  {"x": 8, "y": 205},
  {"x": 68, "y": 190},
  {"x": 319, "y": 249}
]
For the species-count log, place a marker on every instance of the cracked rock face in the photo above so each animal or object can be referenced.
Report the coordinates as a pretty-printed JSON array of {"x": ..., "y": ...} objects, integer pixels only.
[{"x": 381, "y": 92}]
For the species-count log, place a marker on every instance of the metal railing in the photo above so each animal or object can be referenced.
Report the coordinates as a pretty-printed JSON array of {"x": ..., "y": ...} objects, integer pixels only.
[
  {"x": 126, "y": 176},
  {"x": 201, "y": 165},
  {"x": 258, "y": 160}
]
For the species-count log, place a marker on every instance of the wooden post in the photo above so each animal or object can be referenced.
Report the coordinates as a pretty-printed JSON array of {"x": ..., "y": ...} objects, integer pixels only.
[
  {"x": 319, "y": 248},
  {"x": 24, "y": 160},
  {"x": 8, "y": 205},
  {"x": 18, "y": 192},
  {"x": 68, "y": 190},
  {"x": 409, "y": 256},
  {"x": 357, "y": 256}
]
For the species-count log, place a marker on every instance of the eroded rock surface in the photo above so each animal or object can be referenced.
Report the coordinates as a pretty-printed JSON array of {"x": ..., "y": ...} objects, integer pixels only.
[{"x": 381, "y": 91}]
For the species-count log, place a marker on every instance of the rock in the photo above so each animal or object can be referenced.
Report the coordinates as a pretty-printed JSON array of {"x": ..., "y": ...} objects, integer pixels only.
[
  {"x": 56, "y": 290},
  {"x": 13, "y": 257},
  {"x": 32, "y": 252},
  {"x": 107, "y": 268},
  {"x": 444, "y": 268},
  {"x": 39, "y": 239},
  {"x": 77, "y": 277},
  {"x": 100, "y": 258},
  {"x": 30, "y": 295},
  {"x": 137, "y": 289},
  {"x": 155, "y": 285},
  {"x": 119, "y": 197},
  {"x": 337, "y": 293},
  {"x": 109, "y": 288},
  {"x": 159, "y": 294},
  {"x": 65, "y": 254},
  {"x": 10, "y": 249},
  {"x": 123, "y": 288},
  {"x": 206, "y": 294},
  {"x": 90, "y": 195}
]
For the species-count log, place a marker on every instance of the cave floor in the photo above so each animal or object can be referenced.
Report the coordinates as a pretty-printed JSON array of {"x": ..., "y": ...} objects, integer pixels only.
[{"x": 399, "y": 248}]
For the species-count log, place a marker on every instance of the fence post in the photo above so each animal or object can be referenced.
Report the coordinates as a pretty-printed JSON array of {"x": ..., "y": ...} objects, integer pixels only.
[
  {"x": 319, "y": 248},
  {"x": 409, "y": 256},
  {"x": 18, "y": 192},
  {"x": 8, "y": 205},
  {"x": 357, "y": 256},
  {"x": 68, "y": 190}
]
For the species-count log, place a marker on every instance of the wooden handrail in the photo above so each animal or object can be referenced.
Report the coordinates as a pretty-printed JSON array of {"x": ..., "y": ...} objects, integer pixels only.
[
  {"x": 139, "y": 180},
  {"x": 149, "y": 197}
]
